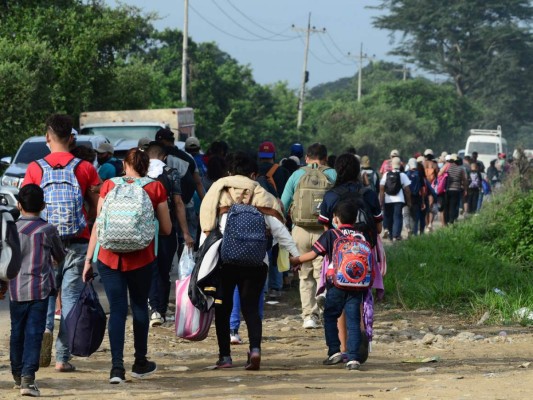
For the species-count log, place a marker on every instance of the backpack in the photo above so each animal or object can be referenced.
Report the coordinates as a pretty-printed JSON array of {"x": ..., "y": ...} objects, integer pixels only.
[
  {"x": 352, "y": 266},
  {"x": 188, "y": 185},
  {"x": 10, "y": 254},
  {"x": 393, "y": 183},
  {"x": 308, "y": 197},
  {"x": 126, "y": 222},
  {"x": 245, "y": 237},
  {"x": 85, "y": 323},
  {"x": 474, "y": 180},
  {"x": 119, "y": 167},
  {"x": 365, "y": 221},
  {"x": 442, "y": 184},
  {"x": 166, "y": 180},
  {"x": 63, "y": 198},
  {"x": 372, "y": 178},
  {"x": 416, "y": 182}
]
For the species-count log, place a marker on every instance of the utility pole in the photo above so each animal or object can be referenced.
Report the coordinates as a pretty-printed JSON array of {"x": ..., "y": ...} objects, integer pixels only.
[
  {"x": 362, "y": 56},
  {"x": 305, "y": 75},
  {"x": 404, "y": 70},
  {"x": 184, "y": 53}
]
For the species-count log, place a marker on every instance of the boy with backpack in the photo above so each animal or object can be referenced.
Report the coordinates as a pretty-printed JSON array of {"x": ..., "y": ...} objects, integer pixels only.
[
  {"x": 349, "y": 276},
  {"x": 29, "y": 291}
]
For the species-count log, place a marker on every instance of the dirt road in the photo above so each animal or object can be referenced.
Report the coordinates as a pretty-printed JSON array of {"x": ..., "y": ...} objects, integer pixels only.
[{"x": 470, "y": 363}]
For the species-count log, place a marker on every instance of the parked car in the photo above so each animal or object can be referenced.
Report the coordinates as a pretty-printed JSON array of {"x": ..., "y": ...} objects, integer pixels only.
[{"x": 33, "y": 149}]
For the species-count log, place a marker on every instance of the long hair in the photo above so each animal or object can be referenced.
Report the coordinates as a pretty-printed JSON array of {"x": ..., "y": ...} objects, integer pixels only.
[{"x": 348, "y": 169}]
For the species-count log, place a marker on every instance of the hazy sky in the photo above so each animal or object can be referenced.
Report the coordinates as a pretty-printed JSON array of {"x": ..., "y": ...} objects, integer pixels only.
[{"x": 239, "y": 27}]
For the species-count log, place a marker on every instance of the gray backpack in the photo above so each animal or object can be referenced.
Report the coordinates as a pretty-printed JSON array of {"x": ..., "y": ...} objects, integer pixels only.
[{"x": 126, "y": 222}]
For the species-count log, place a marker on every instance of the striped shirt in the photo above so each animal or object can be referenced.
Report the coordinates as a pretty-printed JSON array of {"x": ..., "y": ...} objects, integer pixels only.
[
  {"x": 39, "y": 242},
  {"x": 456, "y": 177}
]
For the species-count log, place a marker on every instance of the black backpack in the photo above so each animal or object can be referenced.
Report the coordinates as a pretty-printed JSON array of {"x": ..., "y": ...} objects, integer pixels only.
[
  {"x": 166, "y": 180},
  {"x": 365, "y": 220},
  {"x": 86, "y": 323},
  {"x": 10, "y": 254},
  {"x": 188, "y": 185},
  {"x": 393, "y": 183}
]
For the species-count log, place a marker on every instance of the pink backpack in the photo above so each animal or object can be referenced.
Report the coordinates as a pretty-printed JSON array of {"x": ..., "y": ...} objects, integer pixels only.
[
  {"x": 191, "y": 323},
  {"x": 442, "y": 184}
]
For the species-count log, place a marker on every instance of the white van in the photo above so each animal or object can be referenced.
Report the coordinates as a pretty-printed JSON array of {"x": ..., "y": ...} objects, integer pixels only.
[{"x": 488, "y": 144}]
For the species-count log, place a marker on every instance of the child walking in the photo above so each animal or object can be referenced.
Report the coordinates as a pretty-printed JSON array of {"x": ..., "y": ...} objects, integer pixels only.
[
  {"x": 29, "y": 291},
  {"x": 337, "y": 299}
]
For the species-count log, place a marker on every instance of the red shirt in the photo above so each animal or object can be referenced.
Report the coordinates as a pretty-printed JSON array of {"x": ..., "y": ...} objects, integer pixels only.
[
  {"x": 85, "y": 174},
  {"x": 136, "y": 259}
]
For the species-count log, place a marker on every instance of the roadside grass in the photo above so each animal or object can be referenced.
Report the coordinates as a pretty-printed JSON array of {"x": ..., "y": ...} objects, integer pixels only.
[{"x": 480, "y": 264}]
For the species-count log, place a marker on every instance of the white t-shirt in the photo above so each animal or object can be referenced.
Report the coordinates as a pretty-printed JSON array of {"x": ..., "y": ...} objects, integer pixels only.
[{"x": 397, "y": 198}]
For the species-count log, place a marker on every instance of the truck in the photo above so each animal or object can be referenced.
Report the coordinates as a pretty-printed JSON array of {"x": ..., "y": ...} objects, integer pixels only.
[
  {"x": 125, "y": 128},
  {"x": 487, "y": 143}
]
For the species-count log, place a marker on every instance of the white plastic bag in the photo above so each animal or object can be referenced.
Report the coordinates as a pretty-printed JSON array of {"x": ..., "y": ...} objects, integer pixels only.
[{"x": 186, "y": 263}]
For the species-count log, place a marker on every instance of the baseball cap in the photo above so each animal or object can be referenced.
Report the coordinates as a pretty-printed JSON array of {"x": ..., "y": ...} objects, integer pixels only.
[
  {"x": 144, "y": 143},
  {"x": 428, "y": 152},
  {"x": 454, "y": 157},
  {"x": 394, "y": 153},
  {"x": 105, "y": 148},
  {"x": 412, "y": 163},
  {"x": 192, "y": 143},
  {"x": 396, "y": 162},
  {"x": 164, "y": 134},
  {"x": 297, "y": 150},
  {"x": 420, "y": 159},
  {"x": 365, "y": 162},
  {"x": 447, "y": 157},
  {"x": 266, "y": 150}
]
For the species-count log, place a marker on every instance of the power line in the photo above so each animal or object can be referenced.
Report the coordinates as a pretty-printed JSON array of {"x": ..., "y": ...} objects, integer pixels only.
[
  {"x": 317, "y": 58},
  {"x": 246, "y": 29},
  {"x": 221, "y": 30},
  {"x": 331, "y": 54},
  {"x": 260, "y": 26},
  {"x": 341, "y": 52}
]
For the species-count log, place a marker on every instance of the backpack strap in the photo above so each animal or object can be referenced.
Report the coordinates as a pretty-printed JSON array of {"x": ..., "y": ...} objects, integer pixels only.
[{"x": 270, "y": 175}]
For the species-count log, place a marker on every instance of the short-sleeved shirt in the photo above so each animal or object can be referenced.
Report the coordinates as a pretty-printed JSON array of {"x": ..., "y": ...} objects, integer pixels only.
[
  {"x": 85, "y": 174},
  {"x": 399, "y": 197},
  {"x": 331, "y": 198},
  {"x": 135, "y": 259},
  {"x": 324, "y": 245},
  {"x": 292, "y": 183},
  {"x": 39, "y": 242}
]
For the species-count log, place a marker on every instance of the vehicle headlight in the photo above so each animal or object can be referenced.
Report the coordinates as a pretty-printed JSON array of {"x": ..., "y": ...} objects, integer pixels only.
[{"x": 8, "y": 180}]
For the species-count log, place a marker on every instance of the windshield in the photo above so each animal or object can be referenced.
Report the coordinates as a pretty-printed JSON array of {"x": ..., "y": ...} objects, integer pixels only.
[
  {"x": 114, "y": 133},
  {"x": 483, "y": 148},
  {"x": 31, "y": 151}
]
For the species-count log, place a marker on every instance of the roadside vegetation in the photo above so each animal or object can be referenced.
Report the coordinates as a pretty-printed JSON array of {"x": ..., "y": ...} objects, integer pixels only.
[{"x": 478, "y": 265}]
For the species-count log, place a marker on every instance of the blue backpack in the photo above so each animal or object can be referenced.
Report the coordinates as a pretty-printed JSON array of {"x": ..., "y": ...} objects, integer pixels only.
[
  {"x": 416, "y": 182},
  {"x": 245, "y": 239},
  {"x": 63, "y": 198}
]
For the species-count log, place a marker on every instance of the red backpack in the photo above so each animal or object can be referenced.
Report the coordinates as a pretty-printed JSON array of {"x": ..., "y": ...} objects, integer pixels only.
[{"x": 352, "y": 266}]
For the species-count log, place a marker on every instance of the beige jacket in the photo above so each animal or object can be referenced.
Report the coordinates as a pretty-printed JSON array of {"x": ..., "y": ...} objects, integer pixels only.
[{"x": 226, "y": 191}]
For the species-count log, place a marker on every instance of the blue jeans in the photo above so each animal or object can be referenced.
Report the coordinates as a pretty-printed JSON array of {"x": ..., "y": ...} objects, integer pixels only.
[
  {"x": 338, "y": 300},
  {"x": 28, "y": 319},
  {"x": 117, "y": 284},
  {"x": 275, "y": 278},
  {"x": 50, "y": 313},
  {"x": 394, "y": 219},
  {"x": 235, "y": 317},
  {"x": 160, "y": 288},
  {"x": 71, "y": 287}
]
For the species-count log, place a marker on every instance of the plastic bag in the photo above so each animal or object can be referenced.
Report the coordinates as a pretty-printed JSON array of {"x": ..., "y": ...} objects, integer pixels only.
[
  {"x": 283, "y": 260},
  {"x": 186, "y": 263}
]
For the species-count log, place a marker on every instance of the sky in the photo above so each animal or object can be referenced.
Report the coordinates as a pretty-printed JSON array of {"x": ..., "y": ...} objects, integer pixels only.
[{"x": 259, "y": 33}]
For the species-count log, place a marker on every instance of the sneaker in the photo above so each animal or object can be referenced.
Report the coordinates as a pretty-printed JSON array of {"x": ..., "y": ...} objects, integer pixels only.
[
  {"x": 274, "y": 294},
  {"x": 143, "y": 368},
  {"x": 333, "y": 359},
  {"x": 224, "y": 362},
  {"x": 254, "y": 360},
  {"x": 28, "y": 387},
  {"x": 17, "y": 379},
  {"x": 234, "y": 337},
  {"x": 117, "y": 375},
  {"x": 46, "y": 349},
  {"x": 57, "y": 315},
  {"x": 156, "y": 319},
  {"x": 310, "y": 323},
  {"x": 353, "y": 365}
]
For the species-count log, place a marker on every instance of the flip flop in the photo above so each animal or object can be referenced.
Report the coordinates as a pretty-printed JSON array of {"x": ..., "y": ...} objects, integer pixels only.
[{"x": 65, "y": 367}]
